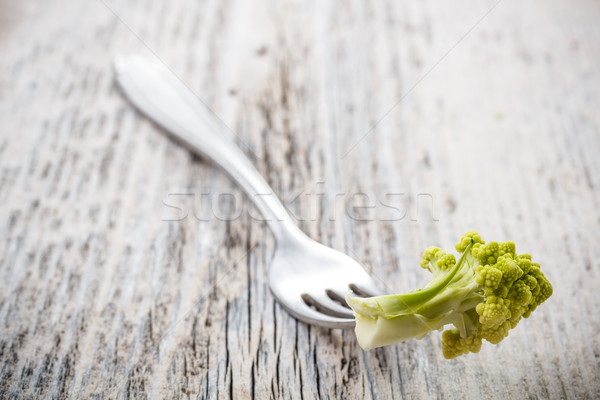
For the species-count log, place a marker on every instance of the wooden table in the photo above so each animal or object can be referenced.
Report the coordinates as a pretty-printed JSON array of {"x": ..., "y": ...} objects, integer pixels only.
[{"x": 120, "y": 277}]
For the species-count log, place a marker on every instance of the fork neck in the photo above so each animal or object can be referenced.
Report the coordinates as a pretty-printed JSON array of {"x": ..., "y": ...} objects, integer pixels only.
[
  {"x": 273, "y": 211},
  {"x": 234, "y": 162}
]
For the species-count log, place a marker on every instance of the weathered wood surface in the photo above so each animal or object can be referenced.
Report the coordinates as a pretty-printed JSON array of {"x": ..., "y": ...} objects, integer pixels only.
[{"x": 104, "y": 294}]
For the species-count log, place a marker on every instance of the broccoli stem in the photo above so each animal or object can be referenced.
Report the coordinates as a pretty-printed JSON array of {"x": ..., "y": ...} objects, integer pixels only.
[{"x": 395, "y": 305}]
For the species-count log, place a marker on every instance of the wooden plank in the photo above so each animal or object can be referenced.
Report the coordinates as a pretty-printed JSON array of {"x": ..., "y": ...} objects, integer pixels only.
[{"x": 462, "y": 115}]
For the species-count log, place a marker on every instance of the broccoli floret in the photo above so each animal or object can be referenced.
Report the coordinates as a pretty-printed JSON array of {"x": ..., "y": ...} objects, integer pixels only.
[{"x": 484, "y": 295}]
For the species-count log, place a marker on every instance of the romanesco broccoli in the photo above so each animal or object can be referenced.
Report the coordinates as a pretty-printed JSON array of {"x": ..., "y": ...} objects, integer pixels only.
[{"x": 484, "y": 295}]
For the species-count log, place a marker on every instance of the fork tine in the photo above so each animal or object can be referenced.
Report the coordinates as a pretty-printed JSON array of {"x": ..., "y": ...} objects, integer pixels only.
[
  {"x": 323, "y": 303},
  {"x": 338, "y": 295},
  {"x": 366, "y": 288},
  {"x": 302, "y": 311}
]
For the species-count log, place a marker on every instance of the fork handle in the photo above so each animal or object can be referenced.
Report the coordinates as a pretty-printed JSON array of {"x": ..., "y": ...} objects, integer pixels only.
[{"x": 159, "y": 94}]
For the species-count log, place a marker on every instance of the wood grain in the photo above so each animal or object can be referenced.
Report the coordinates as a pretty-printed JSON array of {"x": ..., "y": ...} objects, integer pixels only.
[{"x": 477, "y": 115}]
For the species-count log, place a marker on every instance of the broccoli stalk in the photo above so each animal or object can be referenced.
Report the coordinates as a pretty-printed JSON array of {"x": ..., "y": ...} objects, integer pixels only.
[{"x": 484, "y": 295}]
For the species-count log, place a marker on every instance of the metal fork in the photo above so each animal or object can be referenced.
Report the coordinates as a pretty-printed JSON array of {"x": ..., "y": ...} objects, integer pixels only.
[{"x": 308, "y": 279}]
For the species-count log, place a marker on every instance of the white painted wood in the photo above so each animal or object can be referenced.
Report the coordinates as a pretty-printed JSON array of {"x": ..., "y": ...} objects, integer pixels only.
[{"x": 103, "y": 295}]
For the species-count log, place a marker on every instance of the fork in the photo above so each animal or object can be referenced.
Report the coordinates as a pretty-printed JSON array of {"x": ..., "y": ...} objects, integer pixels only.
[{"x": 308, "y": 279}]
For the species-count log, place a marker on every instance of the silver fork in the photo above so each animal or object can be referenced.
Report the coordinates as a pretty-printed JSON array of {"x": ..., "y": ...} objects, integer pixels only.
[{"x": 309, "y": 279}]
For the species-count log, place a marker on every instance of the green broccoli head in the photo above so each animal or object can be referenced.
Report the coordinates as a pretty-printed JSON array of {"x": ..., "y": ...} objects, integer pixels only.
[{"x": 484, "y": 295}]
